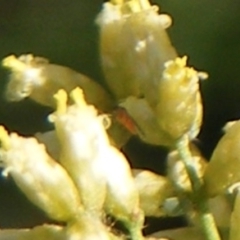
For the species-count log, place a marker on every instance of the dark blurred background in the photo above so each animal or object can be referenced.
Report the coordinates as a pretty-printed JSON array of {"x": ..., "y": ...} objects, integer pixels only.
[{"x": 64, "y": 32}]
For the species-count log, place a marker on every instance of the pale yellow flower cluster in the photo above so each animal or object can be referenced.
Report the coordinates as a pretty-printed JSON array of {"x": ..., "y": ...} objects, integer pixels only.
[
  {"x": 76, "y": 173},
  {"x": 90, "y": 177}
]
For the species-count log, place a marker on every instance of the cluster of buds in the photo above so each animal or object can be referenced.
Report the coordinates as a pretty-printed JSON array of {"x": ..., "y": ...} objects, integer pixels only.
[
  {"x": 178, "y": 110},
  {"x": 134, "y": 47},
  {"x": 38, "y": 176},
  {"x": 160, "y": 93},
  {"x": 34, "y": 77},
  {"x": 89, "y": 179},
  {"x": 74, "y": 173}
]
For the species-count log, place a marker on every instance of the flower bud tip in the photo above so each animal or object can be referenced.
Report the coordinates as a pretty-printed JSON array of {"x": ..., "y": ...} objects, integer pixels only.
[
  {"x": 13, "y": 63},
  {"x": 78, "y": 97},
  {"x": 4, "y": 138},
  {"x": 61, "y": 101}
]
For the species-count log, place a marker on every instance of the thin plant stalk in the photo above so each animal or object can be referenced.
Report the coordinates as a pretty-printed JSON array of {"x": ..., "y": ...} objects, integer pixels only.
[{"x": 206, "y": 218}]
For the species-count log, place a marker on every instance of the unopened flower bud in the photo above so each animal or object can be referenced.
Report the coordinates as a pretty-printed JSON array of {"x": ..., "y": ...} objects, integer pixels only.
[
  {"x": 81, "y": 136},
  {"x": 41, "y": 179},
  {"x": 179, "y": 108},
  {"x": 134, "y": 47},
  {"x": 35, "y": 77},
  {"x": 153, "y": 191},
  {"x": 146, "y": 122},
  {"x": 100, "y": 171},
  {"x": 223, "y": 168}
]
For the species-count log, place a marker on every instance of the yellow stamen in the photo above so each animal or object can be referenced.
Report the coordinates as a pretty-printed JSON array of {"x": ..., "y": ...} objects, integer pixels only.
[
  {"x": 78, "y": 97},
  {"x": 181, "y": 62},
  {"x": 13, "y": 63},
  {"x": 61, "y": 101},
  {"x": 133, "y": 6},
  {"x": 173, "y": 66},
  {"x": 4, "y": 139},
  {"x": 144, "y": 4}
]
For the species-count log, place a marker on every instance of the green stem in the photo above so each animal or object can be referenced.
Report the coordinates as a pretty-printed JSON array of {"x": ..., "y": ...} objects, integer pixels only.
[{"x": 207, "y": 221}]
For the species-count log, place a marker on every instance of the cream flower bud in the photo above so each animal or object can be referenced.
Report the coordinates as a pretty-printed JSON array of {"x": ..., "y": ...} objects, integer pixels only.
[
  {"x": 134, "y": 47},
  {"x": 223, "y": 168},
  {"x": 153, "y": 191},
  {"x": 100, "y": 171},
  {"x": 35, "y": 77},
  {"x": 122, "y": 195},
  {"x": 147, "y": 126},
  {"x": 81, "y": 136},
  {"x": 43, "y": 180},
  {"x": 179, "y": 108},
  {"x": 122, "y": 198}
]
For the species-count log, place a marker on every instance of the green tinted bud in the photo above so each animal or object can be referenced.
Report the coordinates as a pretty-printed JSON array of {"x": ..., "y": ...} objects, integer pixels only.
[
  {"x": 179, "y": 108},
  {"x": 223, "y": 169},
  {"x": 147, "y": 126},
  {"x": 134, "y": 47},
  {"x": 153, "y": 190},
  {"x": 42, "y": 180},
  {"x": 81, "y": 135},
  {"x": 35, "y": 77}
]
